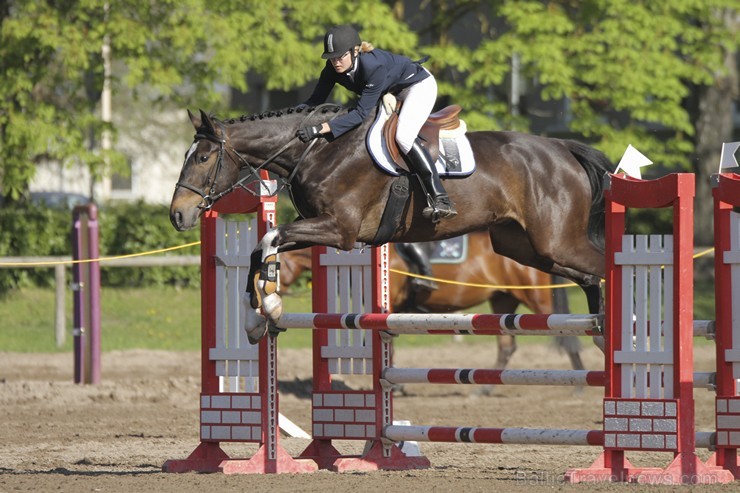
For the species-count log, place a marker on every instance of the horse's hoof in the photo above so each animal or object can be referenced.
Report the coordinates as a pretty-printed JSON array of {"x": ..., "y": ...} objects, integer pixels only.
[
  {"x": 257, "y": 334},
  {"x": 255, "y": 325},
  {"x": 483, "y": 391}
]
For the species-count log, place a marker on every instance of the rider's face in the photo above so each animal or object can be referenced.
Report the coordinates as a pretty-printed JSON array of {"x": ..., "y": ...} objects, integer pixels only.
[{"x": 341, "y": 63}]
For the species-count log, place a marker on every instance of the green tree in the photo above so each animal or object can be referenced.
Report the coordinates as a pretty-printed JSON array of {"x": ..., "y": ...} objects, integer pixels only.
[
  {"x": 181, "y": 52},
  {"x": 658, "y": 75},
  {"x": 712, "y": 114}
]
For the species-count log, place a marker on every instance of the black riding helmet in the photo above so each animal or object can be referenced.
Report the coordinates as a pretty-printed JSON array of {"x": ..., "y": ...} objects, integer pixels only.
[{"x": 339, "y": 40}]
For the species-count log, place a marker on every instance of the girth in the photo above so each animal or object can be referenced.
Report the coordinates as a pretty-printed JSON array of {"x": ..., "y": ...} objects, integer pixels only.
[{"x": 447, "y": 118}]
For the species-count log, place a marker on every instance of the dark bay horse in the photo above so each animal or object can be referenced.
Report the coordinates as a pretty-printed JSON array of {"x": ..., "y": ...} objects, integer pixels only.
[
  {"x": 482, "y": 267},
  {"x": 541, "y": 199}
]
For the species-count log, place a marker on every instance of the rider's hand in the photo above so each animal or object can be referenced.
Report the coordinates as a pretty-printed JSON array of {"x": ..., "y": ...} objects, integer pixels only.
[{"x": 308, "y": 132}]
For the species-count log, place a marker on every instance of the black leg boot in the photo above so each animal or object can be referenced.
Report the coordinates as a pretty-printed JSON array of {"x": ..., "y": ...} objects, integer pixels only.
[
  {"x": 419, "y": 257},
  {"x": 440, "y": 205}
]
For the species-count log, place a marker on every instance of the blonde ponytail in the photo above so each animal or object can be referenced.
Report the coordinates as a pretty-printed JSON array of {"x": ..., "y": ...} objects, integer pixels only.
[{"x": 366, "y": 47}]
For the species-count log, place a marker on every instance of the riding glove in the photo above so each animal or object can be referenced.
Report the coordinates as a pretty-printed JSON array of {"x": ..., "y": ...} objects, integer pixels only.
[{"x": 308, "y": 132}]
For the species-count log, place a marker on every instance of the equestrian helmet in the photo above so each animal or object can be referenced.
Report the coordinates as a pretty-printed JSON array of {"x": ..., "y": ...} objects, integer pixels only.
[{"x": 339, "y": 40}]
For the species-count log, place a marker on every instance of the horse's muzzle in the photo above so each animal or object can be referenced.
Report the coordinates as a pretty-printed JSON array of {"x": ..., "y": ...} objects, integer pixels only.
[{"x": 176, "y": 220}]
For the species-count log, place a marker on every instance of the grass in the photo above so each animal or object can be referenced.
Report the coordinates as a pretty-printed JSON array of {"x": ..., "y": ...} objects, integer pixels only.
[{"x": 166, "y": 318}]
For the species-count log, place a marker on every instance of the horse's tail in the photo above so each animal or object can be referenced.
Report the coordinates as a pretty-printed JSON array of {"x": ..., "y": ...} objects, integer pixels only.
[{"x": 596, "y": 164}]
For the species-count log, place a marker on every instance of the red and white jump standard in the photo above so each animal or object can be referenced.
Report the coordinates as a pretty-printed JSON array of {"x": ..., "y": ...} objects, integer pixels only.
[
  {"x": 726, "y": 191},
  {"x": 648, "y": 376},
  {"x": 649, "y": 280},
  {"x": 239, "y": 398}
]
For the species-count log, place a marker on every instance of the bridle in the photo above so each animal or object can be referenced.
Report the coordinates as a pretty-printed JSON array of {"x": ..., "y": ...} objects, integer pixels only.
[{"x": 208, "y": 199}]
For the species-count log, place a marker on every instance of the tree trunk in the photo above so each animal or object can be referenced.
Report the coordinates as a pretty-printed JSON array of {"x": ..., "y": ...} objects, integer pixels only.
[{"x": 713, "y": 126}]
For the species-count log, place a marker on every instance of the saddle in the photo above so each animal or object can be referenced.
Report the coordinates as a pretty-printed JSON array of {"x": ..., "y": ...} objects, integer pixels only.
[{"x": 446, "y": 119}]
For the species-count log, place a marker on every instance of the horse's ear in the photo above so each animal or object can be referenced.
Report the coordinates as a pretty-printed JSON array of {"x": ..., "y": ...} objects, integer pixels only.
[
  {"x": 208, "y": 124},
  {"x": 195, "y": 120}
]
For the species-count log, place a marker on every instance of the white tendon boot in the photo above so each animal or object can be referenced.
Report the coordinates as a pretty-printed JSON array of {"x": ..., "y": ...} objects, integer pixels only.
[{"x": 270, "y": 302}]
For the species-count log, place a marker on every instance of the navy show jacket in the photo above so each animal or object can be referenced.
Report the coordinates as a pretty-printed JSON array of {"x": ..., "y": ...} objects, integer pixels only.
[{"x": 378, "y": 72}]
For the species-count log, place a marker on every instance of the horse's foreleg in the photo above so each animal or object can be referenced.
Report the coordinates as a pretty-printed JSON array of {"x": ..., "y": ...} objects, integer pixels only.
[
  {"x": 324, "y": 230},
  {"x": 261, "y": 296}
]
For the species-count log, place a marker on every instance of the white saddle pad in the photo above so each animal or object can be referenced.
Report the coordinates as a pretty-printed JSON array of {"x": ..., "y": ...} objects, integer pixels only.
[{"x": 455, "y": 154}]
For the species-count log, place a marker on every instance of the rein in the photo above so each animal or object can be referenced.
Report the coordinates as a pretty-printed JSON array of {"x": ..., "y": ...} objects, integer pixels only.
[{"x": 211, "y": 197}]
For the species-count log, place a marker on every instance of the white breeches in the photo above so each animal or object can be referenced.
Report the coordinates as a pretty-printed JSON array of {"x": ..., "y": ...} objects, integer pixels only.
[{"x": 418, "y": 103}]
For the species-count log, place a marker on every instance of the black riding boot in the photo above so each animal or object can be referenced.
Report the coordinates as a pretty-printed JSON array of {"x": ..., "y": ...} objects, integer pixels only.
[
  {"x": 440, "y": 205},
  {"x": 420, "y": 259}
]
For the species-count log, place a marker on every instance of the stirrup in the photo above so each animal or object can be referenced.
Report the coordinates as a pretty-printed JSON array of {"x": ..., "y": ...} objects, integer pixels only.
[
  {"x": 441, "y": 209},
  {"x": 424, "y": 284}
]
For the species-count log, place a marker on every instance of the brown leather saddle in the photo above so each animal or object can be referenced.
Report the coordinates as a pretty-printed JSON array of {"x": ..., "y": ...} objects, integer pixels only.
[{"x": 447, "y": 118}]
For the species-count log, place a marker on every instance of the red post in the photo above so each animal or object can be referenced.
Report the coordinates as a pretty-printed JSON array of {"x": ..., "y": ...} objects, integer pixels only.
[
  {"x": 321, "y": 451},
  {"x": 675, "y": 191},
  {"x": 208, "y": 455},
  {"x": 726, "y": 192},
  {"x": 86, "y": 286}
]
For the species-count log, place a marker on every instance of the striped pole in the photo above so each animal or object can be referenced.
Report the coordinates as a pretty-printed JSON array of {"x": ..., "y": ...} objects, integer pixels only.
[
  {"x": 464, "y": 434},
  {"x": 463, "y": 323},
  {"x": 494, "y": 377},
  {"x": 519, "y": 436},
  {"x": 454, "y": 323},
  {"x": 472, "y": 376}
]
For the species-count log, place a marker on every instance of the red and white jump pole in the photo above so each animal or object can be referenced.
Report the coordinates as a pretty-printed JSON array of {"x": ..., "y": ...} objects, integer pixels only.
[{"x": 475, "y": 376}]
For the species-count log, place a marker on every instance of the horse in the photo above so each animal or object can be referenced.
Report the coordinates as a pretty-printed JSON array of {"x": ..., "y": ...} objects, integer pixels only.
[
  {"x": 483, "y": 268},
  {"x": 541, "y": 199}
]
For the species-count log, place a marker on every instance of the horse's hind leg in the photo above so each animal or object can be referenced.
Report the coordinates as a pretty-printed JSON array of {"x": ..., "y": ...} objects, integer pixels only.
[
  {"x": 501, "y": 302},
  {"x": 595, "y": 301},
  {"x": 506, "y": 349},
  {"x": 586, "y": 267},
  {"x": 570, "y": 344},
  {"x": 594, "y": 297}
]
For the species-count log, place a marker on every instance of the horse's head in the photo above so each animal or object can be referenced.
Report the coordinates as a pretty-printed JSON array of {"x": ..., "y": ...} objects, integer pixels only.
[
  {"x": 220, "y": 149},
  {"x": 208, "y": 172}
]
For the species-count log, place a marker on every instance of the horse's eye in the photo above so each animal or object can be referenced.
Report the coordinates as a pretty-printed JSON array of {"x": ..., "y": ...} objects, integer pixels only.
[{"x": 203, "y": 158}]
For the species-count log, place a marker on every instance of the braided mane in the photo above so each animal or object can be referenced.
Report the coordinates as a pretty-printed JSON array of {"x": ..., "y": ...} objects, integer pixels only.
[{"x": 324, "y": 108}]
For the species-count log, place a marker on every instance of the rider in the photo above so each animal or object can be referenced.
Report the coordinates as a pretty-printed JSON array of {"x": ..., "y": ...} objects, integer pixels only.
[{"x": 369, "y": 72}]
